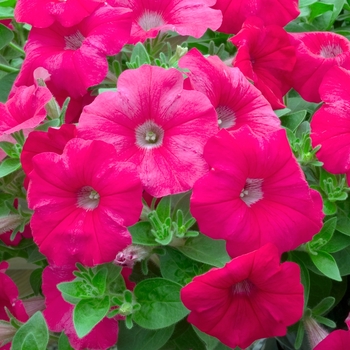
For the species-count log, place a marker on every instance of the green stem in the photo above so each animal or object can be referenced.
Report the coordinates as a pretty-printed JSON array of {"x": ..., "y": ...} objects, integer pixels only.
[
  {"x": 17, "y": 48},
  {"x": 8, "y": 69}
]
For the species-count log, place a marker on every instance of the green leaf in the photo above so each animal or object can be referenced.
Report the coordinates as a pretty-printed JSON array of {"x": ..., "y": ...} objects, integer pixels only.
[
  {"x": 326, "y": 264},
  {"x": 323, "y": 306},
  {"x": 35, "y": 280},
  {"x": 343, "y": 261},
  {"x": 8, "y": 166},
  {"x": 140, "y": 55},
  {"x": 34, "y": 331},
  {"x": 337, "y": 243},
  {"x": 163, "y": 208},
  {"x": 329, "y": 208},
  {"x": 76, "y": 289},
  {"x": 206, "y": 250},
  {"x": 6, "y": 83},
  {"x": 141, "y": 234},
  {"x": 140, "y": 338},
  {"x": 63, "y": 343},
  {"x": 6, "y": 36},
  {"x": 100, "y": 280},
  {"x": 160, "y": 301},
  {"x": 343, "y": 223},
  {"x": 210, "y": 342},
  {"x": 177, "y": 267},
  {"x": 305, "y": 276},
  {"x": 325, "y": 235},
  {"x": 300, "y": 336},
  {"x": 6, "y": 13},
  {"x": 293, "y": 120},
  {"x": 303, "y": 3},
  {"x": 326, "y": 321},
  {"x": 318, "y": 9},
  {"x": 88, "y": 313}
]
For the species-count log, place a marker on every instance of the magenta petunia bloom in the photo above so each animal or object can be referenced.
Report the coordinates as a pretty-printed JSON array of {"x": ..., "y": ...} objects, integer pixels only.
[
  {"x": 78, "y": 53},
  {"x": 54, "y": 140},
  {"x": 316, "y": 53},
  {"x": 82, "y": 201},
  {"x": 266, "y": 56},
  {"x": 25, "y": 109},
  {"x": 330, "y": 125},
  {"x": 251, "y": 297},
  {"x": 237, "y": 102},
  {"x": 258, "y": 194},
  {"x": 43, "y": 13},
  {"x": 337, "y": 340},
  {"x": 155, "y": 124},
  {"x": 186, "y": 17},
  {"x": 235, "y": 12},
  {"x": 59, "y": 314}
]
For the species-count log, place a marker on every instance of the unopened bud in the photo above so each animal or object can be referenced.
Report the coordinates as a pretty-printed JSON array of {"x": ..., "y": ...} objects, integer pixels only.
[
  {"x": 131, "y": 255},
  {"x": 7, "y": 332},
  {"x": 8, "y": 223},
  {"x": 314, "y": 331},
  {"x": 32, "y": 305}
]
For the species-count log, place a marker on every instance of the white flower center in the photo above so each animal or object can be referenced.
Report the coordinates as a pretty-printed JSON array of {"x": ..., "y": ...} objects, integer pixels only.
[
  {"x": 150, "y": 20},
  {"x": 252, "y": 192},
  {"x": 74, "y": 41},
  {"x": 149, "y": 135},
  {"x": 242, "y": 288},
  {"x": 226, "y": 117},
  {"x": 331, "y": 50},
  {"x": 88, "y": 198}
]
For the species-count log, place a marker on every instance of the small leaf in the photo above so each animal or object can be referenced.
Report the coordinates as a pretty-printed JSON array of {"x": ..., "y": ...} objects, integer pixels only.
[
  {"x": 318, "y": 9},
  {"x": 141, "y": 234},
  {"x": 100, "y": 280},
  {"x": 326, "y": 264},
  {"x": 323, "y": 306},
  {"x": 326, "y": 321},
  {"x": 76, "y": 289},
  {"x": 140, "y": 55},
  {"x": 163, "y": 208},
  {"x": 8, "y": 166},
  {"x": 160, "y": 301},
  {"x": 6, "y": 36},
  {"x": 209, "y": 341},
  {"x": 293, "y": 120},
  {"x": 206, "y": 250},
  {"x": 34, "y": 331},
  {"x": 63, "y": 343},
  {"x": 35, "y": 280},
  {"x": 88, "y": 313},
  {"x": 300, "y": 336}
]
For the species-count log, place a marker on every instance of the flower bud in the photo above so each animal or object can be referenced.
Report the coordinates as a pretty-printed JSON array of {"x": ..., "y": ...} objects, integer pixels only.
[
  {"x": 314, "y": 331},
  {"x": 131, "y": 255}
]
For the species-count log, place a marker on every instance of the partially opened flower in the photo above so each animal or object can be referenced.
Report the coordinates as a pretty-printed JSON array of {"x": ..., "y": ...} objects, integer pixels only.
[
  {"x": 59, "y": 314},
  {"x": 25, "y": 109},
  {"x": 235, "y": 12},
  {"x": 155, "y": 124},
  {"x": 237, "y": 102},
  {"x": 43, "y": 13},
  {"x": 186, "y": 17},
  {"x": 258, "y": 194},
  {"x": 82, "y": 201},
  {"x": 316, "y": 53},
  {"x": 9, "y": 299},
  {"x": 78, "y": 53},
  {"x": 266, "y": 56},
  {"x": 330, "y": 125},
  {"x": 251, "y": 297}
]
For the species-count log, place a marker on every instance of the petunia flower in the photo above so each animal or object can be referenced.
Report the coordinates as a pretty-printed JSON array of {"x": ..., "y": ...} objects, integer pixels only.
[
  {"x": 330, "y": 125},
  {"x": 251, "y": 297},
  {"x": 155, "y": 124},
  {"x": 237, "y": 102},
  {"x": 25, "y": 109},
  {"x": 9, "y": 299},
  {"x": 78, "y": 53},
  {"x": 235, "y": 12},
  {"x": 258, "y": 194},
  {"x": 337, "y": 340},
  {"x": 59, "y": 314},
  {"x": 43, "y": 13},
  {"x": 266, "y": 56},
  {"x": 316, "y": 53},
  {"x": 82, "y": 201},
  {"x": 186, "y": 17}
]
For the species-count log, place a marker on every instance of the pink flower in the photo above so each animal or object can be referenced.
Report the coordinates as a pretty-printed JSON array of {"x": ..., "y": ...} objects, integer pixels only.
[
  {"x": 83, "y": 199},
  {"x": 316, "y": 53},
  {"x": 58, "y": 314},
  {"x": 25, "y": 109},
  {"x": 258, "y": 194},
  {"x": 155, "y": 124},
  {"x": 337, "y": 340},
  {"x": 6, "y": 237},
  {"x": 330, "y": 125},
  {"x": 78, "y": 53},
  {"x": 235, "y": 12},
  {"x": 9, "y": 299},
  {"x": 43, "y": 13},
  {"x": 265, "y": 56},
  {"x": 251, "y": 297},
  {"x": 54, "y": 140},
  {"x": 186, "y": 17},
  {"x": 237, "y": 102}
]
